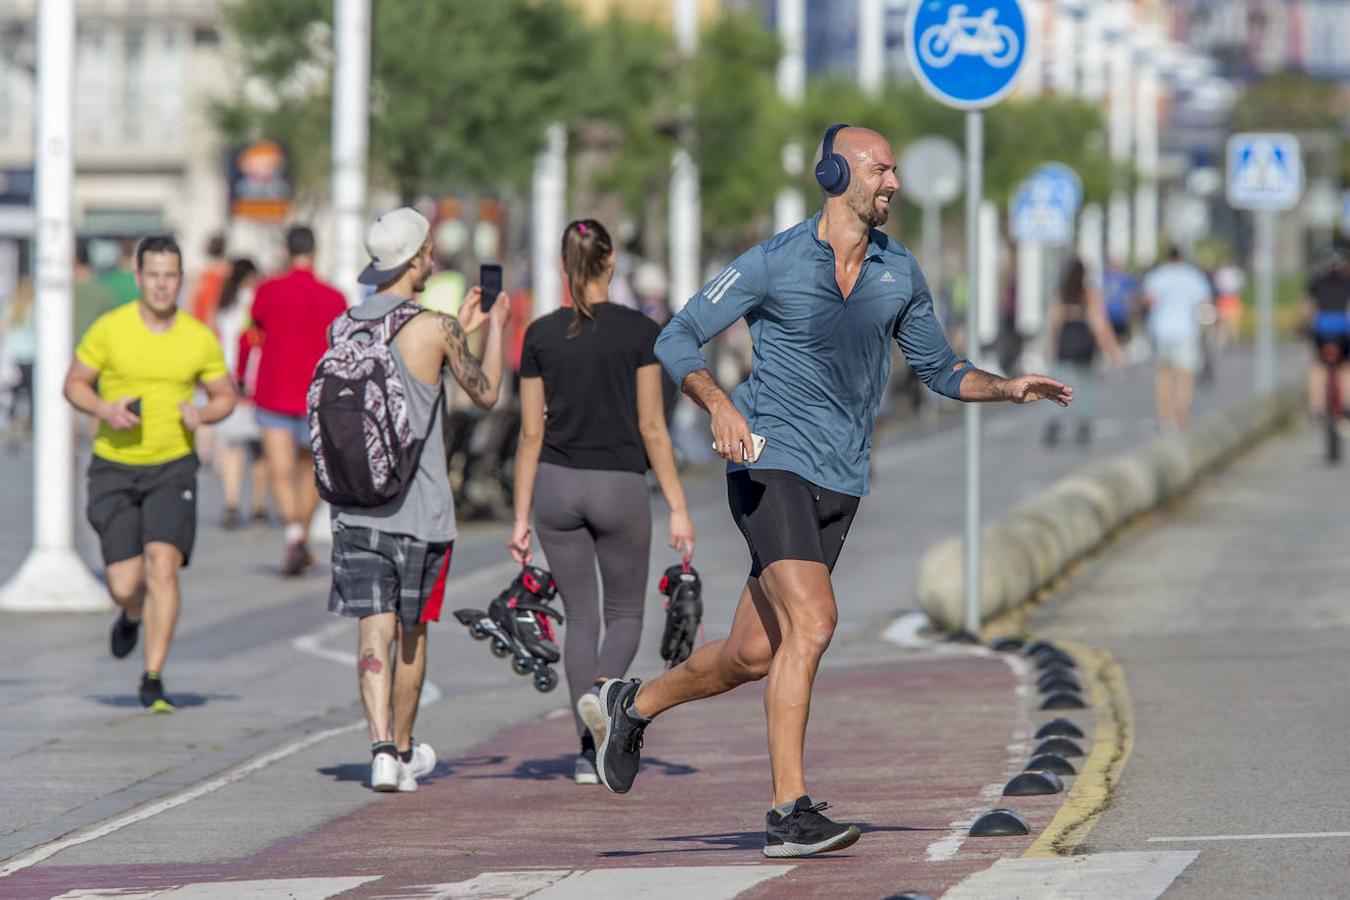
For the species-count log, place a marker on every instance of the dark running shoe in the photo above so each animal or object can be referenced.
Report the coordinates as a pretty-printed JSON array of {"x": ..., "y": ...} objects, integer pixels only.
[
  {"x": 618, "y": 758},
  {"x": 805, "y": 832},
  {"x": 152, "y": 694},
  {"x": 122, "y": 640},
  {"x": 298, "y": 559}
]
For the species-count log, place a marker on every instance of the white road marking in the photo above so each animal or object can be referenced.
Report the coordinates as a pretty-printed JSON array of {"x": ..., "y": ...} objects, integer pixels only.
[
  {"x": 272, "y": 889},
  {"x": 1293, "y": 836},
  {"x": 650, "y": 883},
  {"x": 1120, "y": 876},
  {"x": 172, "y": 801},
  {"x": 947, "y": 847},
  {"x": 906, "y": 630}
]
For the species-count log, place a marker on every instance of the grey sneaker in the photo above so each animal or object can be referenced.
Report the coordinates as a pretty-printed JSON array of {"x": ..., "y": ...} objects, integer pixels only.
[
  {"x": 805, "y": 832},
  {"x": 584, "y": 773},
  {"x": 619, "y": 757}
]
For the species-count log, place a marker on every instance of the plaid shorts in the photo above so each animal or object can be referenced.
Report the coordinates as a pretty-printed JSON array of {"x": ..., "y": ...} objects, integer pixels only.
[{"x": 375, "y": 572}]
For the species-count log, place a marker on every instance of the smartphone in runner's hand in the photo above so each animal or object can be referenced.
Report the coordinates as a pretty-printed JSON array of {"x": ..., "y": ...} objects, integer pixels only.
[{"x": 490, "y": 280}]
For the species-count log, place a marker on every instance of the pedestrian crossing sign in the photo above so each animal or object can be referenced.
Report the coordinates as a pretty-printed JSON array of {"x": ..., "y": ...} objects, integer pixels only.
[{"x": 1265, "y": 171}]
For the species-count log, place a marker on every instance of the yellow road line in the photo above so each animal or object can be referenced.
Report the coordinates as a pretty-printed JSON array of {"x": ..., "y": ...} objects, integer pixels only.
[{"x": 1112, "y": 741}]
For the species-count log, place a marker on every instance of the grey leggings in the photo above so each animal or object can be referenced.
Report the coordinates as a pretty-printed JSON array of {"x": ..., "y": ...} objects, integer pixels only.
[{"x": 584, "y": 516}]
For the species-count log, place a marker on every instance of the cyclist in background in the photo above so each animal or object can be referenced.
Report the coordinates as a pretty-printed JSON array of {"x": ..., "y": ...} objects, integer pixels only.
[{"x": 1327, "y": 313}]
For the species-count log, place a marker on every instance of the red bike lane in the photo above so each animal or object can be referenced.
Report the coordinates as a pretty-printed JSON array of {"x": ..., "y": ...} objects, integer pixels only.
[{"x": 903, "y": 748}]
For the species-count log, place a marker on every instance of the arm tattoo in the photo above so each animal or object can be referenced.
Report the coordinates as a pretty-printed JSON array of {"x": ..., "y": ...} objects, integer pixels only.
[{"x": 462, "y": 362}]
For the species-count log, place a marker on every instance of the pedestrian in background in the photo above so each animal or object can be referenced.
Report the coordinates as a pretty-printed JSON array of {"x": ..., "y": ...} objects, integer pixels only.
[
  {"x": 121, "y": 279},
  {"x": 390, "y": 561},
  {"x": 137, "y": 369},
  {"x": 206, "y": 294},
  {"x": 292, "y": 312},
  {"x": 1173, "y": 295},
  {"x": 1079, "y": 328},
  {"x": 18, "y": 341},
  {"x": 592, "y": 423},
  {"x": 240, "y": 438}
]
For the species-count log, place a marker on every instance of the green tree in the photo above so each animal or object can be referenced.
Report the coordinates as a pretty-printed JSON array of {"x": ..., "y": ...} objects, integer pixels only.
[{"x": 460, "y": 89}]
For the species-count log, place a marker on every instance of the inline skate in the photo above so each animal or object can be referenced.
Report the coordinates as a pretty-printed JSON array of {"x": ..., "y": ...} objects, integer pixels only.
[
  {"x": 684, "y": 613},
  {"x": 518, "y": 625}
]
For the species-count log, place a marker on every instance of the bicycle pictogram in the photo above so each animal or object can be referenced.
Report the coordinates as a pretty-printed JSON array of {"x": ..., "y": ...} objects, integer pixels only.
[{"x": 963, "y": 35}]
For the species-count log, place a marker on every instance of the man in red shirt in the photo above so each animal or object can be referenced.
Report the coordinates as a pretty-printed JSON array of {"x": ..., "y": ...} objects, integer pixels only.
[{"x": 293, "y": 312}]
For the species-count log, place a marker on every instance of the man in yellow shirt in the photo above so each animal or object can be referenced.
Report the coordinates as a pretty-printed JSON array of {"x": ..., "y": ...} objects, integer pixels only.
[{"x": 136, "y": 370}]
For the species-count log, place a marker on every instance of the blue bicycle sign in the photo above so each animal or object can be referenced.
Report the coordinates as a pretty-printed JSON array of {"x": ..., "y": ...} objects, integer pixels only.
[
  {"x": 963, "y": 35},
  {"x": 966, "y": 54}
]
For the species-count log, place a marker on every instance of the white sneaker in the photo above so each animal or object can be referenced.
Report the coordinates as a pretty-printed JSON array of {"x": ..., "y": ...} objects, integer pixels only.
[
  {"x": 592, "y": 713},
  {"x": 407, "y": 782},
  {"x": 423, "y": 760},
  {"x": 385, "y": 772}
]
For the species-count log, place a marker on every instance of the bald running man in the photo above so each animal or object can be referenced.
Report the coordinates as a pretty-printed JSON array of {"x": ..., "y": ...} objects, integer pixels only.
[{"x": 823, "y": 300}]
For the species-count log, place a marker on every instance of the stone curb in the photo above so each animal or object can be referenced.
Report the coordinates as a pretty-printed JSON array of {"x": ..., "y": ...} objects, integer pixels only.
[{"x": 1033, "y": 543}]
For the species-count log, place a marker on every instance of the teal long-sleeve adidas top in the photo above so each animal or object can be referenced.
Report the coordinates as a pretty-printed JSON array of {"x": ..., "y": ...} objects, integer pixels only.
[{"x": 820, "y": 361}]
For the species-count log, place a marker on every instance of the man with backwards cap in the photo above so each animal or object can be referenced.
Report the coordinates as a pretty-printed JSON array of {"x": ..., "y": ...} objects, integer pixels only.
[
  {"x": 390, "y": 561},
  {"x": 823, "y": 301}
]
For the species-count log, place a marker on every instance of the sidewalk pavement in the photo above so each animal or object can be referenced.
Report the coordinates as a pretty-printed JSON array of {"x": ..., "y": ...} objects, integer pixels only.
[{"x": 905, "y": 745}]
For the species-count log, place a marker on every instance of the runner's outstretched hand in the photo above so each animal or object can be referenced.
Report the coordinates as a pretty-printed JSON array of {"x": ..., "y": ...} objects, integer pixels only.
[{"x": 1029, "y": 388}]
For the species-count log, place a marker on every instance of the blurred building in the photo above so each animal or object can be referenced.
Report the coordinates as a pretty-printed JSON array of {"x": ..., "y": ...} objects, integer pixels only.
[
  {"x": 146, "y": 156},
  {"x": 1258, "y": 37}
]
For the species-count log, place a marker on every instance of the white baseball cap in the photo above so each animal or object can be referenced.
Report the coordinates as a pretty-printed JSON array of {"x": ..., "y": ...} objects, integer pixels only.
[{"x": 392, "y": 241}]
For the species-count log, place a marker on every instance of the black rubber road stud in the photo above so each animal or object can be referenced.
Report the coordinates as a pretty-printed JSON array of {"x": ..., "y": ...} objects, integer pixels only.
[
  {"x": 1036, "y": 647},
  {"x": 1029, "y": 784},
  {"x": 998, "y": 823},
  {"x": 1063, "y": 700},
  {"x": 910, "y": 895},
  {"x": 1047, "y": 658},
  {"x": 1061, "y": 684},
  {"x": 1058, "y": 746},
  {"x": 1059, "y": 728},
  {"x": 1057, "y": 674},
  {"x": 1006, "y": 644},
  {"x": 1049, "y": 762}
]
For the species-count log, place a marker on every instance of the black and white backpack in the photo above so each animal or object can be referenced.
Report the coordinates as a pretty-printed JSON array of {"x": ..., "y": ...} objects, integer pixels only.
[{"x": 365, "y": 449}]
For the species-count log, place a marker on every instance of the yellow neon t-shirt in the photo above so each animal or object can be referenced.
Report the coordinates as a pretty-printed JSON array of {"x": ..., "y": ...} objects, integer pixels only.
[{"x": 161, "y": 369}]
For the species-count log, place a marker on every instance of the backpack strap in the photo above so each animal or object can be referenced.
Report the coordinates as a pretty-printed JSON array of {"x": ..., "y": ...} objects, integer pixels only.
[{"x": 383, "y": 329}]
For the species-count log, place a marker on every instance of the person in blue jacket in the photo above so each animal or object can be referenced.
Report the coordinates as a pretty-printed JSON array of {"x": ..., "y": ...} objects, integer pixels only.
[{"x": 822, "y": 300}]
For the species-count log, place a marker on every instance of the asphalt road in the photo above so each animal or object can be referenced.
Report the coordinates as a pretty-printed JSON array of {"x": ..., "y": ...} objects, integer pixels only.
[{"x": 1229, "y": 616}]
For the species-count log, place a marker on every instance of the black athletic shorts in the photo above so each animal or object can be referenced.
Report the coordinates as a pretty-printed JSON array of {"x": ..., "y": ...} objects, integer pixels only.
[
  {"x": 130, "y": 506},
  {"x": 1341, "y": 342},
  {"x": 784, "y": 516}
]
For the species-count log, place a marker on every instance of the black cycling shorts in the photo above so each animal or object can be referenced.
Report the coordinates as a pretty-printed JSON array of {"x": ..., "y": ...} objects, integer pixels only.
[
  {"x": 131, "y": 506},
  {"x": 784, "y": 516}
]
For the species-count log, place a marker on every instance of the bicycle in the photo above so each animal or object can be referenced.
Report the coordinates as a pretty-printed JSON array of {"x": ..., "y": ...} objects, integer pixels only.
[{"x": 962, "y": 35}]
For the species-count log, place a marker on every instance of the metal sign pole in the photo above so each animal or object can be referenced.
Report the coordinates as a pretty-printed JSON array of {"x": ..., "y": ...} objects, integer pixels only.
[
  {"x": 974, "y": 193},
  {"x": 1265, "y": 302}
]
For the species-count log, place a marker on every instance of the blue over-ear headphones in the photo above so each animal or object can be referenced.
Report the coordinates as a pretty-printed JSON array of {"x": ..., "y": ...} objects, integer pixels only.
[{"x": 832, "y": 170}]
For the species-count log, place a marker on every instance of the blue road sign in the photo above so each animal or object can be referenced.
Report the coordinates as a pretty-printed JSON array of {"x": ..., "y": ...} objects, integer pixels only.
[
  {"x": 1043, "y": 211},
  {"x": 1060, "y": 172},
  {"x": 1265, "y": 171},
  {"x": 966, "y": 54}
]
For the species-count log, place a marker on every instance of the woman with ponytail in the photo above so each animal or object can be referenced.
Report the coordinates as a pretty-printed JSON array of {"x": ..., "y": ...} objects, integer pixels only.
[{"x": 592, "y": 423}]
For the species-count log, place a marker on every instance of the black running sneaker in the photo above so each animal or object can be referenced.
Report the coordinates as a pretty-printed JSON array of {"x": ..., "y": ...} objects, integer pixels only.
[
  {"x": 152, "y": 694},
  {"x": 620, "y": 754},
  {"x": 805, "y": 832},
  {"x": 122, "y": 640}
]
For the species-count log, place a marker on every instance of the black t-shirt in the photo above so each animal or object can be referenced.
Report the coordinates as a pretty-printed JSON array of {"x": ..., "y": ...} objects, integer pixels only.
[
  {"x": 590, "y": 386},
  {"x": 1331, "y": 292}
]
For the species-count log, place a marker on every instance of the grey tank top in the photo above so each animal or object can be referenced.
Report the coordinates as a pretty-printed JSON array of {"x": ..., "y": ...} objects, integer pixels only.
[{"x": 426, "y": 510}]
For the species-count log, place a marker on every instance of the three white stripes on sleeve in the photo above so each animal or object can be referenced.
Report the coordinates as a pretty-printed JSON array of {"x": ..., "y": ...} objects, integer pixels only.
[{"x": 718, "y": 288}]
